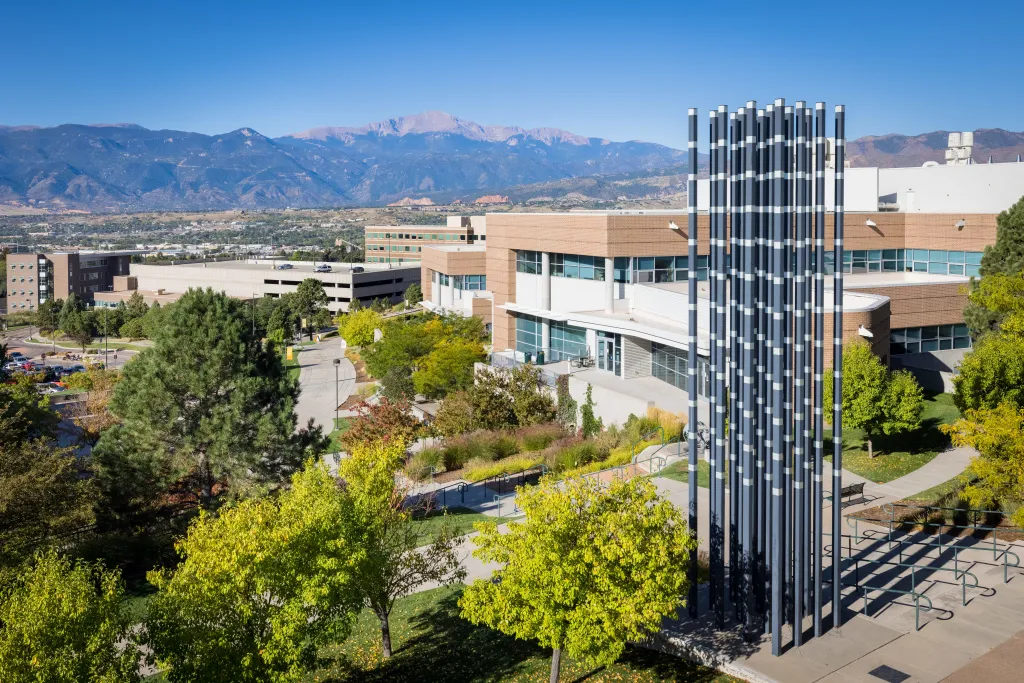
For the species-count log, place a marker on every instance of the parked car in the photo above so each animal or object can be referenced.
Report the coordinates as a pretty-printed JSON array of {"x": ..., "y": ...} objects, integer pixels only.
[
  {"x": 73, "y": 369},
  {"x": 285, "y": 266},
  {"x": 357, "y": 269},
  {"x": 17, "y": 355},
  {"x": 322, "y": 268}
]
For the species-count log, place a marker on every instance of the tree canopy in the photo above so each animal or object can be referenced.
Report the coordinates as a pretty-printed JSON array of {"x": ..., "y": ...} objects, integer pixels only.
[
  {"x": 260, "y": 588},
  {"x": 875, "y": 399},
  {"x": 311, "y": 302},
  {"x": 356, "y": 327},
  {"x": 1004, "y": 258},
  {"x": 390, "y": 566},
  {"x": 208, "y": 407},
  {"x": 448, "y": 367},
  {"x": 65, "y": 623},
  {"x": 586, "y": 571},
  {"x": 996, "y": 475},
  {"x": 991, "y": 373}
]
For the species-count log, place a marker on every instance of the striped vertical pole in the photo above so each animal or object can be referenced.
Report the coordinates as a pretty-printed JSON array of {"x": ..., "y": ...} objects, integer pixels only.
[
  {"x": 787, "y": 366},
  {"x": 819, "y": 353},
  {"x": 837, "y": 396},
  {"x": 714, "y": 554},
  {"x": 769, "y": 360},
  {"x": 799, "y": 526},
  {"x": 691, "y": 358},
  {"x": 734, "y": 430},
  {"x": 720, "y": 378},
  {"x": 808, "y": 448},
  {"x": 761, "y": 346},
  {"x": 778, "y": 377},
  {"x": 749, "y": 131}
]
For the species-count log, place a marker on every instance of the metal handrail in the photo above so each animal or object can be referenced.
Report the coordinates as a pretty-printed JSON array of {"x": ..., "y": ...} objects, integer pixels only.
[
  {"x": 643, "y": 438},
  {"x": 649, "y": 459},
  {"x": 954, "y": 546},
  {"x": 507, "y": 476},
  {"x": 499, "y": 497}
]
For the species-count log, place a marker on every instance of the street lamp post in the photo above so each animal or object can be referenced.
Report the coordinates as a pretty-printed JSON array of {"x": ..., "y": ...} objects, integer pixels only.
[{"x": 337, "y": 401}]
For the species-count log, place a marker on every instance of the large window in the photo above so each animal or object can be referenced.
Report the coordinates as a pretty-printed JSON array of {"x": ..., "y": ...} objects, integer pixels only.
[
  {"x": 934, "y": 261},
  {"x": 470, "y": 282},
  {"x": 567, "y": 341},
  {"x": 528, "y": 333},
  {"x": 575, "y": 266},
  {"x": 931, "y": 338},
  {"x": 647, "y": 269},
  {"x": 669, "y": 365},
  {"x": 528, "y": 262}
]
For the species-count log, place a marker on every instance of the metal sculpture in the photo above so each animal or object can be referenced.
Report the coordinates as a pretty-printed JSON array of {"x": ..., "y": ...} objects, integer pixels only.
[{"x": 766, "y": 300}]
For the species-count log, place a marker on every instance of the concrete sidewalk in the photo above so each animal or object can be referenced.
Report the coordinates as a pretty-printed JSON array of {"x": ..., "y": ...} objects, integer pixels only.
[
  {"x": 941, "y": 469},
  {"x": 317, "y": 382}
]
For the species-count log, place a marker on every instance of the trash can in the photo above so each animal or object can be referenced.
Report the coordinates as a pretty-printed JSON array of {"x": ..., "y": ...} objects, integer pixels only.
[
  {"x": 527, "y": 357},
  {"x": 540, "y": 358}
]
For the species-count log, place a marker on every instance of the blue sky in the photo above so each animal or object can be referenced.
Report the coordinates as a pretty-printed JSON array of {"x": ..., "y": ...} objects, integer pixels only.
[{"x": 614, "y": 70}]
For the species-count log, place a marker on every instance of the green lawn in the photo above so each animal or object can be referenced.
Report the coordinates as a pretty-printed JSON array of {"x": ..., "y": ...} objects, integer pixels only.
[
  {"x": 433, "y": 643},
  {"x": 679, "y": 472},
  {"x": 462, "y": 519},
  {"x": 898, "y": 455},
  {"x": 341, "y": 425},
  {"x": 292, "y": 365}
]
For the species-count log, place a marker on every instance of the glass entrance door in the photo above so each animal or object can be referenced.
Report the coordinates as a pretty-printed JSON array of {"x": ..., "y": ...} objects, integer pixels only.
[{"x": 609, "y": 352}]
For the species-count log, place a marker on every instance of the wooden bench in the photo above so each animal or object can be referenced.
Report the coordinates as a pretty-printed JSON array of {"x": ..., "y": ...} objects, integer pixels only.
[{"x": 849, "y": 492}]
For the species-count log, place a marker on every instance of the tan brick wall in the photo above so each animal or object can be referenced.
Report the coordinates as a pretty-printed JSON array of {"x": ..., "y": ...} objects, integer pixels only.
[
  {"x": 914, "y": 306},
  {"x": 939, "y": 231},
  {"x": 449, "y": 262},
  {"x": 877, "y": 321}
]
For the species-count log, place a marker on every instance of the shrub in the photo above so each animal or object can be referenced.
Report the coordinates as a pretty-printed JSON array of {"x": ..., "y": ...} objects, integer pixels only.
[
  {"x": 504, "y": 445},
  {"x": 636, "y": 427},
  {"x": 674, "y": 424},
  {"x": 538, "y": 437},
  {"x": 516, "y": 463},
  {"x": 577, "y": 455},
  {"x": 418, "y": 467}
]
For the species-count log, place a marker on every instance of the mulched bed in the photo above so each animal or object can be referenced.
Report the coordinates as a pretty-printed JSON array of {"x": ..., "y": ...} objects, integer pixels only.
[{"x": 952, "y": 521}]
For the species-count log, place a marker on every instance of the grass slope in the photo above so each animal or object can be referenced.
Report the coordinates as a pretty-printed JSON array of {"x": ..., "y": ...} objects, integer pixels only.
[
  {"x": 433, "y": 643},
  {"x": 901, "y": 454}
]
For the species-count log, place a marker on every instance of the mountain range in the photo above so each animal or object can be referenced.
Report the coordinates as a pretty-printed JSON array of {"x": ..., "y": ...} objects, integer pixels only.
[{"x": 125, "y": 167}]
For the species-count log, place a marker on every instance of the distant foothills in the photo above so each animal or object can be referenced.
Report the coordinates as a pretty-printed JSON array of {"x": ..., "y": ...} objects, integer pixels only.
[{"x": 433, "y": 155}]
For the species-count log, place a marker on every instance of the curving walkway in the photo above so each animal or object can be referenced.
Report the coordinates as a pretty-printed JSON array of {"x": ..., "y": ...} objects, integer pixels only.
[
  {"x": 317, "y": 382},
  {"x": 940, "y": 469}
]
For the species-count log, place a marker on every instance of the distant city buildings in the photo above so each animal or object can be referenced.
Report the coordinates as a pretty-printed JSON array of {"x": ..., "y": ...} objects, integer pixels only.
[
  {"x": 405, "y": 243},
  {"x": 32, "y": 279}
]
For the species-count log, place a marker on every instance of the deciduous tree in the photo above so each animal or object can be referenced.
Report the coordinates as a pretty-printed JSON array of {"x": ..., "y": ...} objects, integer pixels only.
[
  {"x": 43, "y": 494},
  {"x": 310, "y": 300},
  {"x": 357, "y": 327},
  {"x": 448, "y": 367},
  {"x": 874, "y": 399},
  {"x": 384, "y": 421},
  {"x": 66, "y": 623},
  {"x": 991, "y": 373},
  {"x": 455, "y": 415},
  {"x": 260, "y": 588},
  {"x": 391, "y": 565},
  {"x": 996, "y": 475},
  {"x": 587, "y": 571},
  {"x": 413, "y": 294}
]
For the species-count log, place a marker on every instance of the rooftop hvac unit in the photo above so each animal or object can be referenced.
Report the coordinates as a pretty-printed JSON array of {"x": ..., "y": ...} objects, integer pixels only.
[
  {"x": 950, "y": 154},
  {"x": 964, "y": 152},
  {"x": 954, "y": 139},
  {"x": 967, "y": 139}
]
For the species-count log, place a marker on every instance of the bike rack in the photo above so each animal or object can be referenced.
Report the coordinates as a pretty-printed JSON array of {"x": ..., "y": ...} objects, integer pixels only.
[
  {"x": 957, "y": 573},
  {"x": 893, "y": 522}
]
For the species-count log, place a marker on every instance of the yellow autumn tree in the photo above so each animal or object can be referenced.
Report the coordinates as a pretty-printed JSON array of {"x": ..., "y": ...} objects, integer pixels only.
[{"x": 588, "y": 570}]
